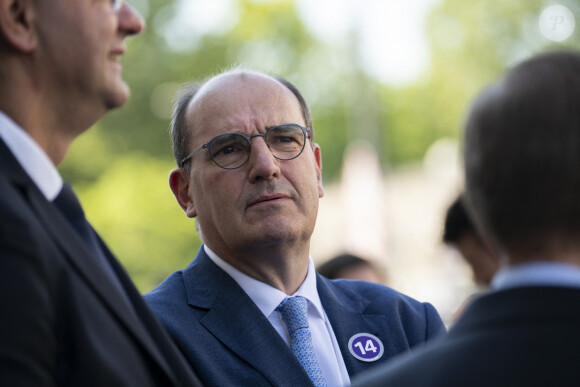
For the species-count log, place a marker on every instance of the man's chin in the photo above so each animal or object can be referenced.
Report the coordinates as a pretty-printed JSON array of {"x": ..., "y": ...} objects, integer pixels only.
[
  {"x": 279, "y": 236},
  {"x": 118, "y": 97}
]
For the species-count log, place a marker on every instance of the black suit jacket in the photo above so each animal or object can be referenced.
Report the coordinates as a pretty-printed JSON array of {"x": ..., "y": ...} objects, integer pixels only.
[
  {"x": 62, "y": 320},
  {"x": 519, "y": 337}
]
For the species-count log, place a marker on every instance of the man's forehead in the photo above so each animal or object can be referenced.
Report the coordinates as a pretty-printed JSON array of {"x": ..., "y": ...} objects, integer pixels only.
[
  {"x": 229, "y": 84},
  {"x": 231, "y": 92}
]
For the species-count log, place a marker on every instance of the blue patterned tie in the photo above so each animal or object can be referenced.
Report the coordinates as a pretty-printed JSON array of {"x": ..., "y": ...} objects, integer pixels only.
[{"x": 293, "y": 310}]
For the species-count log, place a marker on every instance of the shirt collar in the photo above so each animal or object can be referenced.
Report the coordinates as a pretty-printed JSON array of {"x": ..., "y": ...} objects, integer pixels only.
[
  {"x": 266, "y": 297},
  {"x": 31, "y": 157},
  {"x": 537, "y": 274}
]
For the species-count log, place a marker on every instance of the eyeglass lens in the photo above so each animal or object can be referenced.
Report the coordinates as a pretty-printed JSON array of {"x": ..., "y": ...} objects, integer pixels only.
[{"x": 232, "y": 150}]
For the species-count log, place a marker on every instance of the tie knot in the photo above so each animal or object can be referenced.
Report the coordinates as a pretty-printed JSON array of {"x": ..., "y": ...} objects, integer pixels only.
[{"x": 293, "y": 310}]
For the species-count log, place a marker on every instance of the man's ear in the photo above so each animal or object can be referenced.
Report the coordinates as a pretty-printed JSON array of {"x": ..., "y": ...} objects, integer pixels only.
[
  {"x": 179, "y": 184},
  {"x": 318, "y": 159},
  {"x": 17, "y": 24}
]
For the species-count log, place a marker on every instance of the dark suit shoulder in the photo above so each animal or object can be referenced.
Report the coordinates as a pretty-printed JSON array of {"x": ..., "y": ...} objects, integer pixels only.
[
  {"x": 373, "y": 297},
  {"x": 419, "y": 321},
  {"x": 169, "y": 292},
  {"x": 525, "y": 336}
]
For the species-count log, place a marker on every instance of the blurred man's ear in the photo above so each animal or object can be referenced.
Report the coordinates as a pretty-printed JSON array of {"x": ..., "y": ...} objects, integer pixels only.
[
  {"x": 17, "y": 26},
  {"x": 179, "y": 184}
]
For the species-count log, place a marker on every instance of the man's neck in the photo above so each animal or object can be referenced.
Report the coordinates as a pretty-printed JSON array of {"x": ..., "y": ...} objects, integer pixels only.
[
  {"x": 282, "y": 267},
  {"x": 51, "y": 121}
]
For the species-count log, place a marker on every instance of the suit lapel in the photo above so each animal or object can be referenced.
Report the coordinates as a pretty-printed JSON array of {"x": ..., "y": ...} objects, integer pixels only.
[
  {"x": 345, "y": 311},
  {"x": 239, "y": 324},
  {"x": 95, "y": 275},
  {"x": 78, "y": 255}
]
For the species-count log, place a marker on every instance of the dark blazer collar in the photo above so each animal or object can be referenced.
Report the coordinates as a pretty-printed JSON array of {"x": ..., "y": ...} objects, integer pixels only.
[
  {"x": 77, "y": 254},
  {"x": 239, "y": 324},
  {"x": 56, "y": 225}
]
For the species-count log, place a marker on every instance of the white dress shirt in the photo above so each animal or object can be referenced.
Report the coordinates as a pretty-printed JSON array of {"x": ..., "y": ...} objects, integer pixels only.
[
  {"x": 267, "y": 298},
  {"x": 31, "y": 157},
  {"x": 537, "y": 274}
]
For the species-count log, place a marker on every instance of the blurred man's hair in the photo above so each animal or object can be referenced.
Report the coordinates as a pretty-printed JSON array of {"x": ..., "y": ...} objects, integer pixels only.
[{"x": 522, "y": 155}]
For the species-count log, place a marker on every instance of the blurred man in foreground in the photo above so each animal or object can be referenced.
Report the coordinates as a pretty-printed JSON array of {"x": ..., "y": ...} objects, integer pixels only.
[
  {"x": 250, "y": 310},
  {"x": 522, "y": 153},
  {"x": 70, "y": 314}
]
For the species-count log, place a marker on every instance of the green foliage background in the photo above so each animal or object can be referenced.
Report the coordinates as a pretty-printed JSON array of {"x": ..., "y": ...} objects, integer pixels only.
[{"x": 120, "y": 167}]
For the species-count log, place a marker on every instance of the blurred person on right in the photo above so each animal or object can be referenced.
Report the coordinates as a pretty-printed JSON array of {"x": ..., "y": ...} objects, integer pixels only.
[
  {"x": 460, "y": 233},
  {"x": 522, "y": 160},
  {"x": 351, "y": 266}
]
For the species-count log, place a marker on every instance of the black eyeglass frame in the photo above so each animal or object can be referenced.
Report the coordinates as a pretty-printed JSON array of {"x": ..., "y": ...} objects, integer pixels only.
[{"x": 207, "y": 145}]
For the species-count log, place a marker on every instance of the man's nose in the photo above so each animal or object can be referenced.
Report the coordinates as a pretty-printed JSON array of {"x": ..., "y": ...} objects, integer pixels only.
[
  {"x": 130, "y": 22},
  {"x": 263, "y": 164}
]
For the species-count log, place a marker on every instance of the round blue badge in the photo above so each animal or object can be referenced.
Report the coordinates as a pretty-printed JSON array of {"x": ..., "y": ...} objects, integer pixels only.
[{"x": 366, "y": 347}]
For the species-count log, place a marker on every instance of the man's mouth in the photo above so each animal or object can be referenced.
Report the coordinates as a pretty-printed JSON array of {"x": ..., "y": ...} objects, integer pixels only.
[
  {"x": 116, "y": 54},
  {"x": 268, "y": 198}
]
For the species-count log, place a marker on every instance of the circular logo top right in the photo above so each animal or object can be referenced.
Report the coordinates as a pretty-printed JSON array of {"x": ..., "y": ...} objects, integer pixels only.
[{"x": 557, "y": 23}]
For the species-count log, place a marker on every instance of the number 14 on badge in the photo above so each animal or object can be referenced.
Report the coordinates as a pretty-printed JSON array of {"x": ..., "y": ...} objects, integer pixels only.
[{"x": 366, "y": 347}]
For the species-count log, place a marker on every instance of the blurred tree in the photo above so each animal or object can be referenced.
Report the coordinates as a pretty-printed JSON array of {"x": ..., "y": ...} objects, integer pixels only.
[
  {"x": 120, "y": 167},
  {"x": 472, "y": 43}
]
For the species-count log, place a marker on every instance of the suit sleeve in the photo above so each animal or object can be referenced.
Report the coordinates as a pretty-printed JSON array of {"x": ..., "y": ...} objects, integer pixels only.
[{"x": 27, "y": 340}]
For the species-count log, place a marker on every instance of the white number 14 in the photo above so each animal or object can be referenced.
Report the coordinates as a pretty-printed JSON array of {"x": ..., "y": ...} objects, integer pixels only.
[{"x": 369, "y": 346}]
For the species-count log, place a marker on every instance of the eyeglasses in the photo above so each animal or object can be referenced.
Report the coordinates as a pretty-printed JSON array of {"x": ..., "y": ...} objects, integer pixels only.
[
  {"x": 232, "y": 150},
  {"x": 117, "y": 5}
]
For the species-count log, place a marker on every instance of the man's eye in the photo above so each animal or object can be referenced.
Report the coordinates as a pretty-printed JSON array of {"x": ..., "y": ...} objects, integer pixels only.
[
  {"x": 285, "y": 139},
  {"x": 229, "y": 149}
]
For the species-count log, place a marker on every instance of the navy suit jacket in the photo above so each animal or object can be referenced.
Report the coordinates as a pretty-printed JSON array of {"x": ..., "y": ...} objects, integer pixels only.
[
  {"x": 63, "y": 321},
  {"x": 519, "y": 337},
  {"x": 228, "y": 341}
]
